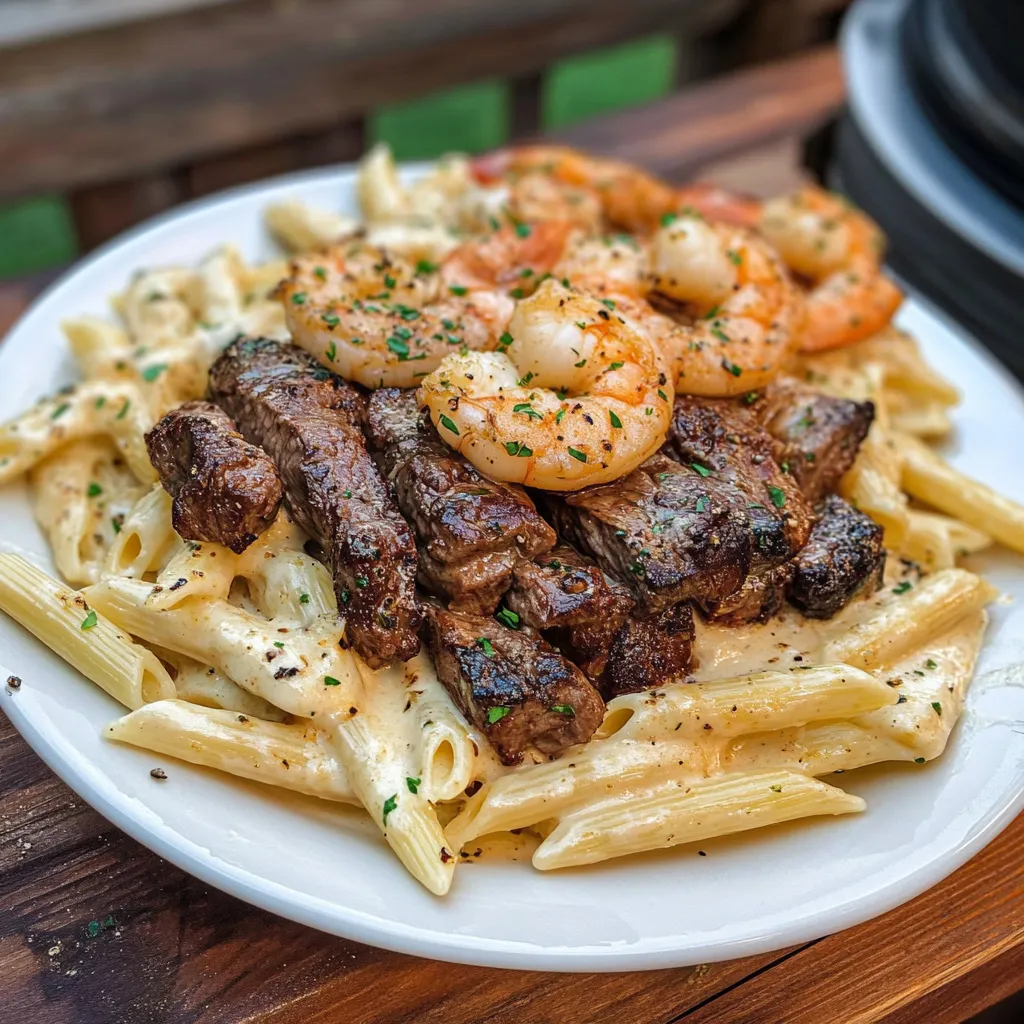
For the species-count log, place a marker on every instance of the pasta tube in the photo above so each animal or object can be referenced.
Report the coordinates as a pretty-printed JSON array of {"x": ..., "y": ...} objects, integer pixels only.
[
  {"x": 668, "y": 815},
  {"x": 294, "y": 757},
  {"x": 65, "y": 622},
  {"x": 898, "y": 626},
  {"x": 146, "y": 537},
  {"x": 932, "y": 480}
]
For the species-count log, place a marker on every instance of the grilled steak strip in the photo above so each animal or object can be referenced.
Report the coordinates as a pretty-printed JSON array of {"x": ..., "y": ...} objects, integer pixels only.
[
  {"x": 590, "y": 619},
  {"x": 512, "y": 684},
  {"x": 225, "y": 490},
  {"x": 470, "y": 531},
  {"x": 308, "y": 420},
  {"x": 724, "y": 440},
  {"x": 663, "y": 531},
  {"x": 843, "y": 557},
  {"x": 815, "y": 436}
]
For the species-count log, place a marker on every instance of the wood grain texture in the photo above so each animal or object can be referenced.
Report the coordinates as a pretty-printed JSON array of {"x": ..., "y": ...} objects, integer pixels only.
[
  {"x": 716, "y": 119},
  {"x": 142, "y": 97}
]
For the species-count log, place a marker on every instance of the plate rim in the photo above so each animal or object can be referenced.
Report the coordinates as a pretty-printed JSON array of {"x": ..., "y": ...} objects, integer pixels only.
[{"x": 96, "y": 787}]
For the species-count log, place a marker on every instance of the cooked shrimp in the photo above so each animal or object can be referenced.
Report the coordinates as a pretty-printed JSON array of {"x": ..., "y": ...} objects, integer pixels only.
[
  {"x": 584, "y": 402},
  {"x": 839, "y": 249},
  {"x": 379, "y": 319},
  {"x": 746, "y": 311}
]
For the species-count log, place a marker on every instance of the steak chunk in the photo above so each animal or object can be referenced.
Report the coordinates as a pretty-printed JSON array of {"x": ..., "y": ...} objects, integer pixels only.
[
  {"x": 589, "y": 618},
  {"x": 225, "y": 490},
  {"x": 843, "y": 557},
  {"x": 512, "y": 685},
  {"x": 815, "y": 436},
  {"x": 308, "y": 421},
  {"x": 470, "y": 531},
  {"x": 664, "y": 531},
  {"x": 723, "y": 441}
]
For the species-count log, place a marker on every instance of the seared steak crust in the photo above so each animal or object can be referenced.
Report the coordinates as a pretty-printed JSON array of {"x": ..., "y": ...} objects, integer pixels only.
[
  {"x": 469, "y": 530},
  {"x": 225, "y": 490},
  {"x": 663, "y": 531},
  {"x": 815, "y": 436},
  {"x": 589, "y": 618},
  {"x": 512, "y": 684},
  {"x": 725, "y": 440},
  {"x": 308, "y": 420},
  {"x": 843, "y": 557}
]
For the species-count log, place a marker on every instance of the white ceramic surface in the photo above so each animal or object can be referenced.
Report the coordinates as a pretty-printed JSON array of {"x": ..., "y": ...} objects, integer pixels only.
[{"x": 323, "y": 866}]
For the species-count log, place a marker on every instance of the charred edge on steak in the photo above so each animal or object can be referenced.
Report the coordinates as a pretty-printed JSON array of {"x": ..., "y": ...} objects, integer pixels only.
[
  {"x": 844, "y": 556},
  {"x": 512, "y": 684},
  {"x": 470, "y": 530},
  {"x": 815, "y": 436},
  {"x": 737, "y": 454},
  {"x": 590, "y": 619},
  {"x": 225, "y": 490},
  {"x": 308, "y": 420}
]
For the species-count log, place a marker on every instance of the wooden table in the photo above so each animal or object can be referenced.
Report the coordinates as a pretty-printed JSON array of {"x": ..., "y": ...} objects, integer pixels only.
[{"x": 95, "y": 929}]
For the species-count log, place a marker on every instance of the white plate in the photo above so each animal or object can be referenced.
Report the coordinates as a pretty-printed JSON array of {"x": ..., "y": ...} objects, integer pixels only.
[{"x": 323, "y": 866}]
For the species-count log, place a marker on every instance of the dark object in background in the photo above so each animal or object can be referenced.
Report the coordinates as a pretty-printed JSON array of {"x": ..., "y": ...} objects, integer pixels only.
[
  {"x": 225, "y": 490},
  {"x": 932, "y": 146}
]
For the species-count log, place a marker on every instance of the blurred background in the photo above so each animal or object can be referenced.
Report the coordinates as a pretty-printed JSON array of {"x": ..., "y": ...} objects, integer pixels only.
[{"x": 113, "y": 110}]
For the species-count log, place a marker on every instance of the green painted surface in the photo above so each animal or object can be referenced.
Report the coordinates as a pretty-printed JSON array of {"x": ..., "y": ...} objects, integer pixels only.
[
  {"x": 37, "y": 233},
  {"x": 34, "y": 234}
]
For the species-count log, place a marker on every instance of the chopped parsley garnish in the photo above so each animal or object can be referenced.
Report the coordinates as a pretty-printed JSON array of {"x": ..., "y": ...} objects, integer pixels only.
[
  {"x": 332, "y": 320},
  {"x": 778, "y": 496},
  {"x": 523, "y": 381},
  {"x": 775, "y": 789},
  {"x": 60, "y": 410},
  {"x": 89, "y": 621},
  {"x": 457, "y": 289},
  {"x": 389, "y": 805},
  {"x": 389, "y": 281},
  {"x": 559, "y": 415},
  {"x": 278, "y": 644},
  {"x": 609, "y": 303},
  {"x": 698, "y": 468},
  {"x": 100, "y": 402},
  {"x": 507, "y": 617},
  {"x": 348, "y": 494},
  {"x": 703, "y": 503},
  {"x": 303, "y": 598},
  {"x": 399, "y": 347},
  {"x": 731, "y": 367},
  {"x": 519, "y": 449},
  {"x": 931, "y": 663},
  {"x": 527, "y": 410},
  {"x": 361, "y": 581},
  {"x": 523, "y": 230},
  {"x": 736, "y": 258},
  {"x": 662, "y": 395},
  {"x": 616, "y": 422},
  {"x": 449, "y": 424},
  {"x": 582, "y": 362},
  {"x": 919, "y": 760},
  {"x": 486, "y": 646},
  {"x": 94, "y": 490},
  {"x": 577, "y": 455},
  {"x": 615, "y": 366},
  {"x": 150, "y": 373},
  {"x": 331, "y": 681},
  {"x": 720, "y": 334},
  {"x": 505, "y": 340},
  {"x": 937, "y": 707},
  {"x": 902, "y": 587},
  {"x": 299, "y": 298},
  {"x": 668, "y": 218},
  {"x": 413, "y": 784},
  {"x": 320, "y": 272},
  {"x": 564, "y": 709},
  {"x": 425, "y": 267},
  {"x": 496, "y": 714},
  {"x": 332, "y": 351},
  {"x": 115, "y": 524}
]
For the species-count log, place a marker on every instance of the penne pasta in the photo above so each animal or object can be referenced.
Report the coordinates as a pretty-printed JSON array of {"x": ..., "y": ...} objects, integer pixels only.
[
  {"x": 933, "y": 481},
  {"x": 669, "y": 815},
  {"x": 203, "y": 684},
  {"x": 299, "y": 227},
  {"x": 69, "y": 626},
  {"x": 146, "y": 538},
  {"x": 935, "y": 603},
  {"x": 293, "y": 757}
]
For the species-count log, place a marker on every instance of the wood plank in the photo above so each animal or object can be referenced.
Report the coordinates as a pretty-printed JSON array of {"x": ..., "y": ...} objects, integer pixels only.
[
  {"x": 917, "y": 963},
  {"x": 708, "y": 122},
  {"x": 141, "y": 97},
  {"x": 101, "y": 211}
]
